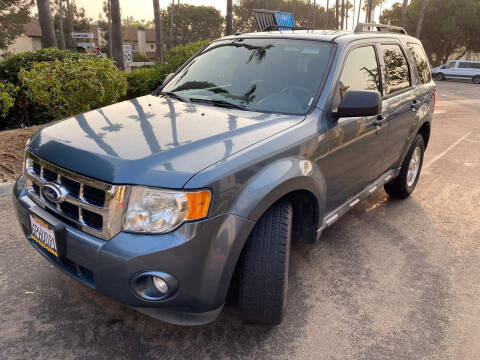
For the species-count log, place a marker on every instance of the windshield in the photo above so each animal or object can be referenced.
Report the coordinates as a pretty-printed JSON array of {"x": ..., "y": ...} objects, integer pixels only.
[{"x": 267, "y": 75}]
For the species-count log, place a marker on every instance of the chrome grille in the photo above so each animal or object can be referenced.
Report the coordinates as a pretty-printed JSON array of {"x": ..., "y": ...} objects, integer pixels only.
[{"x": 91, "y": 205}]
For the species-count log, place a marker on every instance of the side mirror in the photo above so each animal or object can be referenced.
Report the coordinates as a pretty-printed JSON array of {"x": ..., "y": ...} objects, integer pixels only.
[
  {"x": 167, "y": 79},
  {"x": 359, "y": 103}
]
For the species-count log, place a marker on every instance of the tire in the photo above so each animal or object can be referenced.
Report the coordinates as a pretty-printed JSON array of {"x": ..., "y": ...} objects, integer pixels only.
[
  {"x": 440, "y": 77},
  {"x": 476, "y": 80},
  {"x": 403, "y": 185},
  {"x": 263, "y": 266}
]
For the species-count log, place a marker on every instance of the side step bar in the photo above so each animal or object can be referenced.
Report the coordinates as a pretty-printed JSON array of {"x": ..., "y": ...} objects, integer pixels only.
[{"x": 333, "y": 216}]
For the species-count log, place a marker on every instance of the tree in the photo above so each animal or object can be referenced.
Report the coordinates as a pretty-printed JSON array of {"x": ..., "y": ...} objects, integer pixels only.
[
  {"x": 404, "y": 11},
  {"x": 343, "y": 14},
  {"x": 13, "y": 15},
  {"x": 193, "y": 23},
  {"x": 70, "y": 42},
  {"x": 49, "y": 38},
  {"x": 158, "y": 30},
  {"x": 172, "y": 13},
  {"x": 421, "y": 16},
  {"x": 117, "y": 49},
  {"x": 336, "y": 13},
  {"x": 442, "y": 40},
  {"x": 229, "y": 27},
  {"x": 62, "y": 34},
  {"x": 326, "y": 16}
]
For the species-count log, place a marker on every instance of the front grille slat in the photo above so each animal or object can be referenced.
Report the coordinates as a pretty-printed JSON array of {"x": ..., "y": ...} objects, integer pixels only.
[{"x": 93, "y": 206}]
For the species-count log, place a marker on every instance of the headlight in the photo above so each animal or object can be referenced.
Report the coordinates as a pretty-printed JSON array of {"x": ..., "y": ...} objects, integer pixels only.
[{"x": 152, "y": 210}]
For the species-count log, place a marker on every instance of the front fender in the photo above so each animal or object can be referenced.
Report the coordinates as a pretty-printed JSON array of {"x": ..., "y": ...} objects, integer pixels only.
[{"x": 276, "y": 180}]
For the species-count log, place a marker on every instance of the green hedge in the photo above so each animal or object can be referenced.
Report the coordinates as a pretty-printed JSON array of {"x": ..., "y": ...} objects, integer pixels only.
[{"x": 28, "y": 110}]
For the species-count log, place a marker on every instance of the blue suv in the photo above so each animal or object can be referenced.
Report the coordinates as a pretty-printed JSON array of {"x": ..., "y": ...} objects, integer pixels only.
[{"x": 174, "y": 200}]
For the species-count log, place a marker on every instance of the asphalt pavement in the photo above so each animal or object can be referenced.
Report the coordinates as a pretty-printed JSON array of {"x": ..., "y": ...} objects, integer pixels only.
[{"x": 390, "y": 280}]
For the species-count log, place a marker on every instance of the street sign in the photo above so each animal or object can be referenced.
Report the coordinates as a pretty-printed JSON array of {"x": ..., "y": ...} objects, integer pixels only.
[
  {"x": 82, "y": 35},
  {"x": 127, "y": 53}
]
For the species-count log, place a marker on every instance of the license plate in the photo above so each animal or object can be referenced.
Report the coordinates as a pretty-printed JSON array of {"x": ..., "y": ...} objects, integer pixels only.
[{"x": 43, "y": 235}]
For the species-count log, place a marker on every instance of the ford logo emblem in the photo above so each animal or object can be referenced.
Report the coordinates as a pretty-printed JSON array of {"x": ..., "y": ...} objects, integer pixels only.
[{"x": 53, "y": 193}]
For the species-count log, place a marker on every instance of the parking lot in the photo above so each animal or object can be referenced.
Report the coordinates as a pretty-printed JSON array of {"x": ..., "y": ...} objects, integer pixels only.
[{"x": 390, "y": 280}]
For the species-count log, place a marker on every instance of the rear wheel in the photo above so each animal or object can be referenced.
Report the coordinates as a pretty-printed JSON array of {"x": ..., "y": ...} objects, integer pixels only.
[
  {"x": 440, "y": 77},
  {"x": 404, "y": 184},
  {"x": 263, "y": 266},
  {"x": 476, "y": 80}
]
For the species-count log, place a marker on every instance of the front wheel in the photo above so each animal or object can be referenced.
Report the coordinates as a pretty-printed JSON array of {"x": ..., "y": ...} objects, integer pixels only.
[
  {"x": 263, "y": 266},
  {"x": 440, "y": 77},
  {"x": 404, "y": 184}
]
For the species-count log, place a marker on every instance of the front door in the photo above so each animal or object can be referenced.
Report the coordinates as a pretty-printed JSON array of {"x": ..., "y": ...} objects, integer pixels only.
[{"x": 357, "y": 145}]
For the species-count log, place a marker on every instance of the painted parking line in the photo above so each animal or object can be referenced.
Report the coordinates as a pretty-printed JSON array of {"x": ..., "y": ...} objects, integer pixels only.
[{"x": 444, "y": 152}]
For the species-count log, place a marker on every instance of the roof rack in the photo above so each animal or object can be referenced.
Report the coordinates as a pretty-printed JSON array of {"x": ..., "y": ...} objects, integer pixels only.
[
  {"x": 275, "y": 20},
  {"x": 365, "y": 27}
]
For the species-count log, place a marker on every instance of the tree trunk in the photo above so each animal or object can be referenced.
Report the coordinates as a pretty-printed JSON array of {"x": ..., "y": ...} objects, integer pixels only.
[
  {"x": 158, "y": 31},
  {"x": 171, "y": 23},
  {"x": 368, "y": 15},
  {"x": 359, "y": 9},
  {"x": 294, "y": 6},
  {"x": 229, "y": 27},
  {"x": 60, "y": 22},
  {"x": 353, "y": 14},
  {"x": 343, "y": 14},
  {"x": 404, "y": 11},
  {"x": 70, "y": 42},
  {"x": 109, "y": 5},
  {"x": 49, "y": 38},
  {"x": 336, "y": 14},
  {"x": 116, "y": 31},
  {"x": 421, "y": 16},
  {"x": 326, "y": 16},
  {"x": 314, "y": 13}
]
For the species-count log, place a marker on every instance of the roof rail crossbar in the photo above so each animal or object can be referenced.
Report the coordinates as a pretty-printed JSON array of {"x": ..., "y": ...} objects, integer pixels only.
[{"x": 364, "y": 27}]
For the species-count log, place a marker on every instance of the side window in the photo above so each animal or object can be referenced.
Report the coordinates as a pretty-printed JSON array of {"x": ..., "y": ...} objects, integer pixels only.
[
  {"x": 396, "y": 67},
  {"x": 449, "y": 65},
  {"x": 360, "y": 71},
  {"x": 464, "y": 65},
  {"x": 421, "y": 62}
]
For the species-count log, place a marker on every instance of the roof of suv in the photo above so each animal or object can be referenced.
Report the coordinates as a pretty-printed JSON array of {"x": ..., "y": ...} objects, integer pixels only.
[{"x": 325, "y": 35}]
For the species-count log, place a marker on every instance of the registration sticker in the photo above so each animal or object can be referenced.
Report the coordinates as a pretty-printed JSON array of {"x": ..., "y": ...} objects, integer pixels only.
[{"x": 43, "y": 235}]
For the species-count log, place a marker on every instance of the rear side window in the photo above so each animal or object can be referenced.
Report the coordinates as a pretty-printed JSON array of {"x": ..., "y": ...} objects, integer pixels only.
[
  {"x": 468, "y": 65},
  {"x": 421, "y": 62},
  {"x": 396, "y": 67},
  {"x": 360, "y": 71}
]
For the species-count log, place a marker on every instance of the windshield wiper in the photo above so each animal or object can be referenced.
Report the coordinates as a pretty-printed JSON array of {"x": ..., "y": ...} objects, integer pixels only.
[
  {"x": 217, "y": 102},
  {"x": 172, "y": 95}
]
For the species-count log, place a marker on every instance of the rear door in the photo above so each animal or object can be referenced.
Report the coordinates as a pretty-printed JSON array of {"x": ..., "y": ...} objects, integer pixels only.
[
  {"x": 357, "y": 145},
  {"x": 401, "y": 97}
]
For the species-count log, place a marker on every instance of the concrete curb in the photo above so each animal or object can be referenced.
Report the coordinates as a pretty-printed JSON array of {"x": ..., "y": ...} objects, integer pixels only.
[{"x": 6, "y": 189}]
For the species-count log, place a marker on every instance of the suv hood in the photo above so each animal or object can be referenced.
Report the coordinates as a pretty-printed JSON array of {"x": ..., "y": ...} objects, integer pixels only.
[{"x": 153, "y": 141}]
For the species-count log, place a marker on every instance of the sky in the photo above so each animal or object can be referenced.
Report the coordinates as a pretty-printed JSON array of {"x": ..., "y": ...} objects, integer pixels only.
[{"x": 143, "y": 9}]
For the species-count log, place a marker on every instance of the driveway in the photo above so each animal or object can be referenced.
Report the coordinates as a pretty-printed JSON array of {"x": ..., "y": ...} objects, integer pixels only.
[{"x": 390, "y": 280}]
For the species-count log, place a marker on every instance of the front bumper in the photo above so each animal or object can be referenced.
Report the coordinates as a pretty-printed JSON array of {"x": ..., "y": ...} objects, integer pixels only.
[{"x": 201, "y": 256}]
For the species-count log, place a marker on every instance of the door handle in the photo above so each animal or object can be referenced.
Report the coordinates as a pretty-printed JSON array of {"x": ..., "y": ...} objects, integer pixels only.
[{"x": 379, "y": 121}]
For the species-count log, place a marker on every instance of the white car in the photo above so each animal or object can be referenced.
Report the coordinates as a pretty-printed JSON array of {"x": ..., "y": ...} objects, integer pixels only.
[{"x": 458, "y": 69}]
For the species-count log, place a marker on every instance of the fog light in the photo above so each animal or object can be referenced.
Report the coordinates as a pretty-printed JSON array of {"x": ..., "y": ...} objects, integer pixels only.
[{"x": 160, "y": 285}]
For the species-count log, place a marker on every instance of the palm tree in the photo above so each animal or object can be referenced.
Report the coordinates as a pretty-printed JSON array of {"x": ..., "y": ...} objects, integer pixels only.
[
  {"x": 404, "y": 11},
  {"x": 336, "y": 14},
  {"x": 359, "y": 9},
  {"x": 229, "y": 27},
  {"x": 116, "y": 31},
  {"x": 49, "y": 38},
  {"x": 158, "y": 30},
  {"x": 314, "y": 13},
  {"x": 421, "y": 16},
  {"x": 326, "y": 16},
  {"x": 343, "y": 14},
  {"x": 70, "y": 43},
  {"x": 60, "y": 16},
  {"x": 171, "y": 23}
]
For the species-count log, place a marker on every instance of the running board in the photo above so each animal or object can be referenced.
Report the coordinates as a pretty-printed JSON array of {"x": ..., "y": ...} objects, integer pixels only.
[{"x": 333, "y": 216}]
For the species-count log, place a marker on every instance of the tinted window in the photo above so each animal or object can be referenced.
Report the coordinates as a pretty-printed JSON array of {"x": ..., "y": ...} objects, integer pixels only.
[
  {"x": 360, "y": 71},
  {"x": 450, "y": 65},
  {"x": 421, "y": 62},
  {"x": 273, "y": 75},
  {"x": 469, "y": 65},
  {"x": 396, "y": 68}
]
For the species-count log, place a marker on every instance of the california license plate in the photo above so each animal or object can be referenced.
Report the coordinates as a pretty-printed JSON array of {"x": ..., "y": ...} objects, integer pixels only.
[{"x": 43, "y": 235}]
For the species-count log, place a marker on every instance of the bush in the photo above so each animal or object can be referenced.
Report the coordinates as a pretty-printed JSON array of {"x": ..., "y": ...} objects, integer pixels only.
[
  {"x": 7, "y": 97},
  {"x": 74, "y": 86},
  {"x": 24, "y": 112},
  {"x": 145, "y": 81}
]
